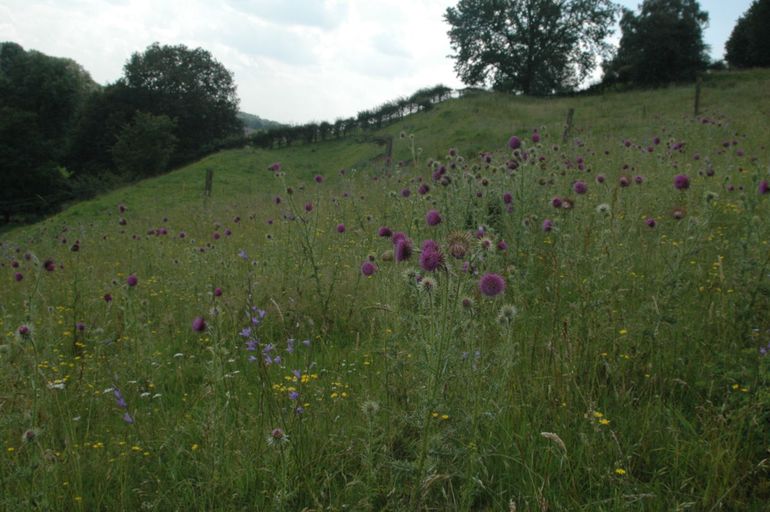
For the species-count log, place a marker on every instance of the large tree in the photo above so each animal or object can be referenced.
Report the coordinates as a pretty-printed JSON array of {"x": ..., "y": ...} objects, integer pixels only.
[
  {"x": 661, "y": 44},
  {"x": 528, "y": 46},
  {"x": 749, "y": 43},
  {"x": 191, "y": 88}
]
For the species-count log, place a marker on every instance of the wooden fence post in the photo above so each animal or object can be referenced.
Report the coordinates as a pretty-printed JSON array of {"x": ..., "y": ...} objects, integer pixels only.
[
  {"x": 568, "y": 125},
  {"x": 209, "y": 182}
]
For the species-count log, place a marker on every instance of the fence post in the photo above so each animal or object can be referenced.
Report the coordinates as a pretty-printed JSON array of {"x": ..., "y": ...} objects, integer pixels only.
[
  {"x": 568, "y": 125},
  {"x": 209, "y": 182},
  {"x": 698, "y": 84}
]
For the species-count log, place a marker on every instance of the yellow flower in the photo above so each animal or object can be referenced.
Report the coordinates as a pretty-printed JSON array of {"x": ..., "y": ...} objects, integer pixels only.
[
  {"x": 195, "y": 447},
  {"x": 623, "y": 332},
  {"x": 604, "y": 421},
  {"x": 620, "y": 471}
]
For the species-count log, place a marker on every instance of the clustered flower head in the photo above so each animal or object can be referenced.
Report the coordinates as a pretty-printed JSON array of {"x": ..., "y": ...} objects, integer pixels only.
[
  {"x": 681, "y": 182},
  {"x": 491, "y": 284}
]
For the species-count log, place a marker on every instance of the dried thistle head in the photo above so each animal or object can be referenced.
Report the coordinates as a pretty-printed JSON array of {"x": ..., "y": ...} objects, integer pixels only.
[{"x": 459, "y": 243}]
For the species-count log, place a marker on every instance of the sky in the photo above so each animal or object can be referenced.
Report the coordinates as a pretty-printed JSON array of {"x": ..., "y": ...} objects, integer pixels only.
[{"x": 294, "y": 61}]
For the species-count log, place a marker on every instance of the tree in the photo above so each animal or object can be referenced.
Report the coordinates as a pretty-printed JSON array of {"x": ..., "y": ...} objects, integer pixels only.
[
  {"x": 145, "y": 146},
  {"x": 528, "y": 46},
  {"x": 749, "y": 43},
  {"x": 662, "y": 44},
  {"x": 188, "y": 86}
]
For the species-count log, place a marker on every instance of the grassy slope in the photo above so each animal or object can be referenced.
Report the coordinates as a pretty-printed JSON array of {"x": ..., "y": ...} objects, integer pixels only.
[{"x": 633, "y": 345}]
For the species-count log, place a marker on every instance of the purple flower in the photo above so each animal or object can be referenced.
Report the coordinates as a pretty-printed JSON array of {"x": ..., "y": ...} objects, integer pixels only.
[
  {"x": 49, "y": 265},
  {"x": 23, "y": 330},
  {"x": 107, "y": 298},
  {"x": 308, "y": 207},
  {"x": 547, "y": 225},
  {"x": 127, "y": 418},
  {"x": 514, "y": 142},
  {"x": 340, "y": 228},
  {"x": 600, "y": 178},
  {"x": 502, "y": 246},
  {"x": 556, "y": 202},
  {"x": 535, "y": 137},
  {"x": 433, "y": 218},
  {"x": 385, "y": 232},
  {"x": 217, "y": 292},
  {"x": 398, "y": 235},
  {"x": 119, "y": 398},
  {"x": 318, "y": 178},
  {"x": 18, "y": 276},
  {"x": 623, "y": 181},
  {"x": 199, "y": 324},
  {"x": 402, "y": 250},
  {"x": 275, "y": 167},
  {"x": 681, "y": 182},
  {"x": 491, "y": 284},
  {"x": 638, "y": 179},
  {"x": 650, "y": 222},
  {"x": 431, "y": 260},
  {"x": 406, "y": 192},
  {"x": 424, "y": 189},
  {"x": 507, "y": 198},
  {"x": 80, "y": 326},
  {"x": 764, "y": 187},
  {"x": 368, "y": 268},
  {"x": 132, "y": 280},
  {"x": 580, "y": 187}
]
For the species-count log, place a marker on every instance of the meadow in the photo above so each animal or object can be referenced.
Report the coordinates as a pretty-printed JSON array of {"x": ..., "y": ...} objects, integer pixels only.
[{"x": 496, "y": 319}]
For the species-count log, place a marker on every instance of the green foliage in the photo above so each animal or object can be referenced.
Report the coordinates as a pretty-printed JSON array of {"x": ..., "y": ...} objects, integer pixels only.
[
  {"x": 660, "y": 45},
  {"x": 749, "y": 42},
  {"x": 535, "y": 47},
  {"x": 145, "y": 146},
  {"x": 190, "y": 87}
]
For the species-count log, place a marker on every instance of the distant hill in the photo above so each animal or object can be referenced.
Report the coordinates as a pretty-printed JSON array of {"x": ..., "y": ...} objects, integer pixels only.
[{"x": 252, "y": 123}]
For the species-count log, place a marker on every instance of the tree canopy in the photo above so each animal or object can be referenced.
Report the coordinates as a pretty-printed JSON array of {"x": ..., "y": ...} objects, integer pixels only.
[
  {"x": 190, "y": 87},
  {"x": 535, "y": 47},
  {"x": 661, "y": 44},
  {"x": 749, "y": 43}
]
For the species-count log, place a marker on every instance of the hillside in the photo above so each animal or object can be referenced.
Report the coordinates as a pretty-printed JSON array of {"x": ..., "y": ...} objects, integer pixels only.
[
  {"x": 495, "y": 319},
  {"x": 252, "y": 123}
]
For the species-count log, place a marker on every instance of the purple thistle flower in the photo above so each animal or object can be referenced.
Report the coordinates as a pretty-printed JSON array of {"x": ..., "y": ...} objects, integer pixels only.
[
  {"x": 340, "y": 228},
  {"x": 402, "y": 250},
  {"x": 406, "y": 192},
  {"x": 23, "y": 330},
  {"x": 431, "y": 260},
  {"x": 556, "y": 202},
  {"x": 681, "y": 182},
  {"x": 535, "y": 137},
  {"x": 132, "y": 280},
  {"x": 107, "y": 298},
  {"x": 507, "y": 198},
  {"x": 275, "y": 167},
  {"x": 638, "y": 179},
  {"x": 514, "y": 142},
  {"x": 650, "y": 222},
  {"x": 623, "y": 181},
  {"x": 600, "y": 178},
  {"x": 580, "y": 187},
  {"x": 491, "y": 284},
  {"x": 424, "y": 189},
  {"x": 764, "y": 187},
  {"x": 18, "y": 276},
  {"x": 433, "y": 218},
  {"x": 318, "y": 178},
  {"x": 398, "y": 235},
  {"x": 502, "y": 245},
  {"x": 368, "y": 268},
  {"x": 385, "y": 232},
  {"x": 308, "y": 207},
  {"x": 49, "y": 265},
  {"x": 217, "y": 292},
  {"x": 199, "y": 324},
  {"x": 547, "y": 225},
  {"x": 430, "y": 245},
  {"x": 80, "y": 326}
]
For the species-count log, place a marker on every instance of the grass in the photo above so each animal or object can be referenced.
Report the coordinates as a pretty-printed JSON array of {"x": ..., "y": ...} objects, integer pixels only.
[{"x": 627, "y": 376}]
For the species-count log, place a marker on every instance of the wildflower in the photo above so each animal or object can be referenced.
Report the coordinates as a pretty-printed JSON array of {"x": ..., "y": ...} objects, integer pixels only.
[
  {"x": 406, "y": 192},
  {"x": 507, "y": 198},
  {"x": 650, "y": 222},
  {"x": 318, "y": 178},
  {"x": 119, "y": 399},
  {"x": 427, "y": 284},
  {"x": 514, "y": 142},
  {"x": 128, "y": 418},
  {"x": 385, "y": 232},
  {"x": 535, "y": 137},
  {"x": 29, "y": 435},
  {"x": 433, "y": 218},
  {"x": 424, "y": 189},
  {"x": 431, "y": 259},
  {"x": 402, "y": 250},
  {"x": 638, "y": 179},
  {"x": 368, "y": 268},
  {"x": 277, "y": 436},
  {"x": 467, "y": 303},
  {"x": 491, "y": 284},
  {"x": 309, "y": 207},
  {"x": 217, "y": 292},
  {"x": 623, "y": 181},
  {"x": 678, "y": 213},
  {"x": 764, "y": 187},
  {"x": 18, "y": 276},
  {"x": 370, "y": 408},
  {"x": 107, "y": 298},
  {"x": 132, "y": 280},
  {"x": 507, "y": 314},
  {"x": 580, "y": 187},
  {"x": 24, "y": 331},
  {"x": 547, "y": 225},
  {"x": 502, "y": 245},
  {"x": 340, "y": 228},
  {"x": 49, "y": 265},
  {"x": 600, "y": 178},
  {"x": 681, "y": 182},
  {"x": 556, "y": 202},
  {"x": 459, "y": 244},
  {"x": 620, "y": 471},
  {"x": 199, "y": 324},
  {"x": 275, "y": 167},
  {"x": 603, "y": 208}
]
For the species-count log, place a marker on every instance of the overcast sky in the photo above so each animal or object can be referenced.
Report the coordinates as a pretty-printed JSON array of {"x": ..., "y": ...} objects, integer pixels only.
[{"x": 294, "y": 60}]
